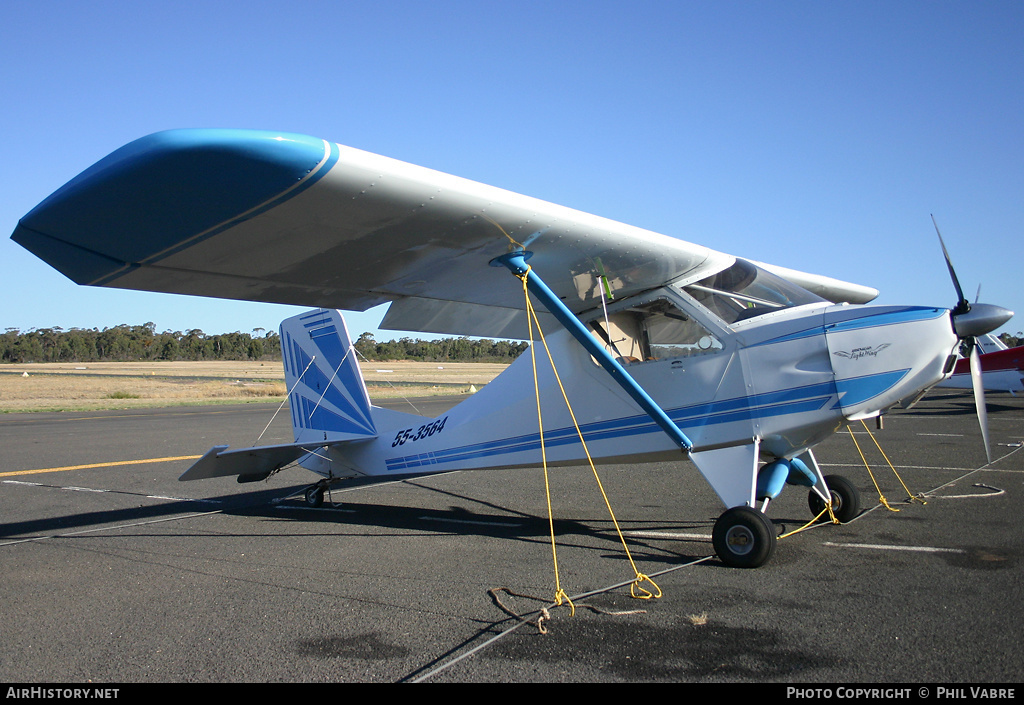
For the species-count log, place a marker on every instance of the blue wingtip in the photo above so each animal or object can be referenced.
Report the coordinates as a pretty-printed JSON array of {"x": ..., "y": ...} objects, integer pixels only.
[{"x": 160, "y": 191}]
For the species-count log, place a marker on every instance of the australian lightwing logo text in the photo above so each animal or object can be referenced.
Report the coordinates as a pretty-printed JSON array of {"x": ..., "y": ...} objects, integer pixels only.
[{"x": 858, "y": 353}]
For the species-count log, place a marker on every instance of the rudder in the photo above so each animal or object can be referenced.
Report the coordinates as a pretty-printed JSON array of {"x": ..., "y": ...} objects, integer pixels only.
[{"x": 327, "y": 395}]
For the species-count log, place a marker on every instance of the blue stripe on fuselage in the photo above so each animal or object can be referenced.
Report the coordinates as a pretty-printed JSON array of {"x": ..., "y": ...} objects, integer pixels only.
[
  {"x": 855, "y": 390},
  {"x": 886, "y": 318},
  {"x": 860, "y": 319},
  {"x": 790, "y": 401}
]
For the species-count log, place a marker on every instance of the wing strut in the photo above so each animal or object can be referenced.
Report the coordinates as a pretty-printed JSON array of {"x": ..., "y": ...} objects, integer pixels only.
[{"x": 516, "y": 263}]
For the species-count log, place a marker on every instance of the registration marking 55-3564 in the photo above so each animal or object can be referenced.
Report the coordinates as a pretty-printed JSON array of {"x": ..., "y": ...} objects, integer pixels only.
[{"x": 409, "y": 435}]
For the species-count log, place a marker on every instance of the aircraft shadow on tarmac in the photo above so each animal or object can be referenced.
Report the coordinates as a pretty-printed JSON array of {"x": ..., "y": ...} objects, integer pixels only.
[
  {"x": 496, "y": 522},
  {"x": 56, "y": 526}
]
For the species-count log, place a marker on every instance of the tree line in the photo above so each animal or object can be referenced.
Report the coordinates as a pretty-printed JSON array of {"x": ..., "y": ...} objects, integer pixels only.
[
  {"x": 126, "y": 343},
  {"x": 444, "y": 349},
  {"x": 1012, "y": 341}
]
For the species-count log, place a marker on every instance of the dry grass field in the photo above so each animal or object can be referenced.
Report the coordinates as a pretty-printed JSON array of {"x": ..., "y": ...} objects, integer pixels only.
[{"x": 120, "y": 385}]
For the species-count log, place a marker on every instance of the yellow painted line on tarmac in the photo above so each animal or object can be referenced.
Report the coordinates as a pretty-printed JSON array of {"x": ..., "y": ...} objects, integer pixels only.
[{"x": 101, "y": 465}]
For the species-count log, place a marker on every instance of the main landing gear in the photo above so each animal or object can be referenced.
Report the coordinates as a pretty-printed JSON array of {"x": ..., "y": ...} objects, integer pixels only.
[{"x": 743, "y": 537}]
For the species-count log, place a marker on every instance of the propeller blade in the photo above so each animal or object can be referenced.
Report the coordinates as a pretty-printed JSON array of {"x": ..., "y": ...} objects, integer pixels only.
[
  {"x": 961, "y": 301},
  {"x": 979, "y": 396}
]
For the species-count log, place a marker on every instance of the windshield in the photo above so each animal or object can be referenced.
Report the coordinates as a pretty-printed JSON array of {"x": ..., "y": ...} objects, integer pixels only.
[{"x": 744, "y": 290}]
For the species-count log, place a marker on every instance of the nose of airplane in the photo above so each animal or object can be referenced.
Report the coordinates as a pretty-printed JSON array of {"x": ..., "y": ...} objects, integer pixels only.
[
  {"x": 979, "y": 319},
  {"x": 885, "y": 355}
]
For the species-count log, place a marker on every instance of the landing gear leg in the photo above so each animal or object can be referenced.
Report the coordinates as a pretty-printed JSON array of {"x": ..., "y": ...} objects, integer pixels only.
[{"x": 743, "y": 538}]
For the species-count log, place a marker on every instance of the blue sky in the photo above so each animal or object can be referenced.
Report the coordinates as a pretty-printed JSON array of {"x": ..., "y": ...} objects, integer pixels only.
[{"x": 814, "y": 135}]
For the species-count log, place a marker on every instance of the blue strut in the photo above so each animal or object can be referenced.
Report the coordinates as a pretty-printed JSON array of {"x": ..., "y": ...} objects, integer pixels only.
[{"x": 516, "y": 262}]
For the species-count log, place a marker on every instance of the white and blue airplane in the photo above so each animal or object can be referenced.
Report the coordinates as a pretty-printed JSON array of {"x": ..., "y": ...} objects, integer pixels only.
[{"x": 666, "y": 350}]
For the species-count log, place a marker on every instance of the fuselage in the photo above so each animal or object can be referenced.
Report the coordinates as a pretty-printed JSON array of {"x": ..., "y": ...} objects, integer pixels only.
[{"x": 789, "y": 377}]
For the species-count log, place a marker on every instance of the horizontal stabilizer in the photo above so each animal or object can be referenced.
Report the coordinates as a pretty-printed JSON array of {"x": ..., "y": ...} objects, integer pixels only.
[{"x": 257, "y": 460}]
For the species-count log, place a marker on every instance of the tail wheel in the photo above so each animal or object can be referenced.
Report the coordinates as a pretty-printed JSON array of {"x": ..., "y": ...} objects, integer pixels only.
[
  {"x": 315, "y": 496},
  {"x": 845, "y": 499},
  {"x": 743, "y": 538}
]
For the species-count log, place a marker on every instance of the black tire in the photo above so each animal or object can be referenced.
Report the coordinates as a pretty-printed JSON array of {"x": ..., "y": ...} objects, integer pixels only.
[
  {"x": 315, "y": 496},
  {"x": 743, "y": 538},
  {"x": 845, "y": 499}
]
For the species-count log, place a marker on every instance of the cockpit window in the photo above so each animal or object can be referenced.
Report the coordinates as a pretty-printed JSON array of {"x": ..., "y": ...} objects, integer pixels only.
[
  {"x": 671, "y": 333},
  {"x": 654, "y": 330},
  {"x": 744, "y": 290}
]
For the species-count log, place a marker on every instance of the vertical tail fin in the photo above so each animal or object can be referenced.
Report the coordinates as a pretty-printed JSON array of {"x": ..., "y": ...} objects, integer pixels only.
[{"x": 328, "y": 396}]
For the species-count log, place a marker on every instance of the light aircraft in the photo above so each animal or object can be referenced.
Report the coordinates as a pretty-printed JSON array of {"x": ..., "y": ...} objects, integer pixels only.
[{"x": 667, "y": 350}]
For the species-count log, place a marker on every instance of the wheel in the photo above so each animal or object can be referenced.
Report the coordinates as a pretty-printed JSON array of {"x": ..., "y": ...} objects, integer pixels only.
[
  {"x": 315, "y": 496},
  {"x": 743, "y": 538},
  {"x": 845, "y": 499}
]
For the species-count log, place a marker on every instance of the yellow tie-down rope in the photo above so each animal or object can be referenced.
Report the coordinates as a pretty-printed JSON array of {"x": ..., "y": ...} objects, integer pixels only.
[
  {"x": 881, "y": 497},
  {"x": 812, "y": 522},
  {"x": 635, "y": 588}
]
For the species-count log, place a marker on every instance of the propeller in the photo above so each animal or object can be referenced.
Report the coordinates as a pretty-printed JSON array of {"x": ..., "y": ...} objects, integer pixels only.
[
  {"x": 962, "y": 305},
  {"x": 979, "y": 397},
  {"x": 970, "y": 321}
]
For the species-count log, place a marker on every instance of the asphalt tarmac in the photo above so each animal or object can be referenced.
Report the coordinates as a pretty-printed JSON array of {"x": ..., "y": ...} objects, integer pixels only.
[{"x": 115, "y": 572}]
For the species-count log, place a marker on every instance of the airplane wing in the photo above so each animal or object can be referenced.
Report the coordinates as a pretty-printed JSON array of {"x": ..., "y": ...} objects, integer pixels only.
[{"x": 292, "y": 219}]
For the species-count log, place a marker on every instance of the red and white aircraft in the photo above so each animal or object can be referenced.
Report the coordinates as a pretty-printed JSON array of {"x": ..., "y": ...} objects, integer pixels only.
[{"x": 1002, "y": 367}]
